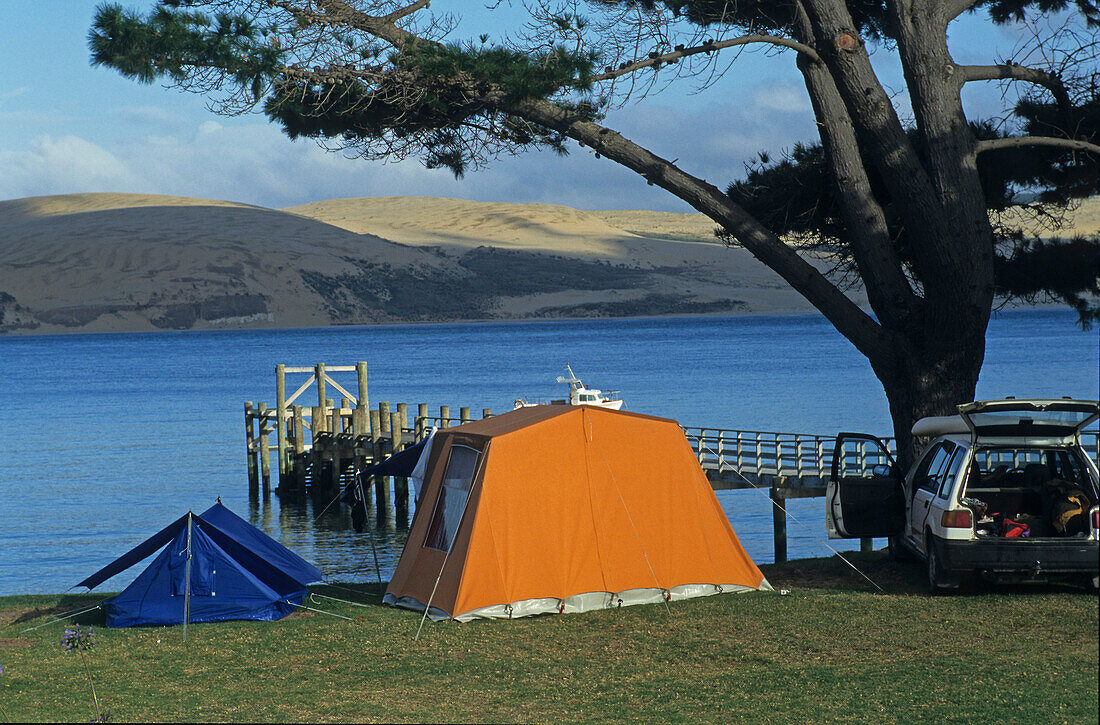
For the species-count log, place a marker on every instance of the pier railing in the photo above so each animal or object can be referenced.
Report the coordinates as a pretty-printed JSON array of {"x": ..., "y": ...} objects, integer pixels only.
[
  {"x": 746, "y": 458},
  {"x": 749, "y": 458}
]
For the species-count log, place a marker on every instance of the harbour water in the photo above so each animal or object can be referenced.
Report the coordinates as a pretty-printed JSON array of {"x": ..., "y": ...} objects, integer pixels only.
[{"x": 107, "y": 438}]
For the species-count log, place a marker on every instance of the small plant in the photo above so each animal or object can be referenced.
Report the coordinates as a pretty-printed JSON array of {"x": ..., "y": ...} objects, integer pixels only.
[{"x": 82, "y": 640}]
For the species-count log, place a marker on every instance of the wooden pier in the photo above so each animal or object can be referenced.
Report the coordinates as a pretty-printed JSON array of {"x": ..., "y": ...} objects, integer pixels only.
[{"x": 320, "y": 447}]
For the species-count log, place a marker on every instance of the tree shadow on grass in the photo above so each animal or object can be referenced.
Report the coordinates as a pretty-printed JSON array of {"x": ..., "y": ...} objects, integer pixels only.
[
  {"x": 857, "y": 570},
  {"x": 65, "y": 605},
  {"x": 369, "y": 593}
]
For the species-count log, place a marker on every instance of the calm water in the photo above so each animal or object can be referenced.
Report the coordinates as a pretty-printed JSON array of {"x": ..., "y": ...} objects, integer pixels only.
[{"x": 107, "y": 438}]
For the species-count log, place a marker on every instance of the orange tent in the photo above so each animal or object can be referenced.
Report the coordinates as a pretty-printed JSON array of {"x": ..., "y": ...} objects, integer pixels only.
[{"x": 553, "y": 509}]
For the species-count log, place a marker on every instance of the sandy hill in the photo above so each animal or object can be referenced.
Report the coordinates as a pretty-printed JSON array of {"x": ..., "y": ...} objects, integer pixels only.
[
  {"x": 458, "y": 225},
  {"x": 106, "y": 262},
  {"x": 102, "y": 262}
]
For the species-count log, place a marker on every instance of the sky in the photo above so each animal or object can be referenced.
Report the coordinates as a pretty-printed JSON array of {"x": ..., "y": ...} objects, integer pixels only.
[{"x": 66, "y": 127}]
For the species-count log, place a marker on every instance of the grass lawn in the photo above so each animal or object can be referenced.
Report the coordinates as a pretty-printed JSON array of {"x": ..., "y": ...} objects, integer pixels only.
[{"x": 831, "y": 650}]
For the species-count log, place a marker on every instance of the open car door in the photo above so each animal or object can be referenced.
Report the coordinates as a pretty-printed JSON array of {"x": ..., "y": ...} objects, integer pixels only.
[{"x": 864, "y": 497}]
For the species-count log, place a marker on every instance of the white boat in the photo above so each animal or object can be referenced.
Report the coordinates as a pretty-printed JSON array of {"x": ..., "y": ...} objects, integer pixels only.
[{"x": 578, "y": 395}]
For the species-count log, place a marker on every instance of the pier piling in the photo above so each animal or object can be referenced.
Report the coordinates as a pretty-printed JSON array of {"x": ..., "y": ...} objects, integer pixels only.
[{"x": 250, "y": 449}]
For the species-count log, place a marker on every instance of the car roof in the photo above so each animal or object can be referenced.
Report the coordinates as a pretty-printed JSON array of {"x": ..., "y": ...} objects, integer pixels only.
[{"x": 1019, "y": 419}]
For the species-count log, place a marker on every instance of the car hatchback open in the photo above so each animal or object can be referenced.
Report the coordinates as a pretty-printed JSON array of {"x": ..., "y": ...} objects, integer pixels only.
[{"x": 1004, "y": 489}]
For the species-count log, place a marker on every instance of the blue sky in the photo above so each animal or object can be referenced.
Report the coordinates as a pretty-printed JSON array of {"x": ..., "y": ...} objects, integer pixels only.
[{"x": 66, "y": 127}]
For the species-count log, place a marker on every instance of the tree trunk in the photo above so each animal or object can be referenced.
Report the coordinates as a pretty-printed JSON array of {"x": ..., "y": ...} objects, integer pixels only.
[{"x": 929, "y": 373}]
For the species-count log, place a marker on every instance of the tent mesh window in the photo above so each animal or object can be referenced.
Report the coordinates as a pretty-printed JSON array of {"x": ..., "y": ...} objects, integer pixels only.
[{"x": 452, "y": 498}]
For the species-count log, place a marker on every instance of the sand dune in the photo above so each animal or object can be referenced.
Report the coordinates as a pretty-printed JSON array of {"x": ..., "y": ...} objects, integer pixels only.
[
  {"x": 118, "y": 262},
  {"x": 107, "y": 262},
  {"x": 459, "y": 225}
]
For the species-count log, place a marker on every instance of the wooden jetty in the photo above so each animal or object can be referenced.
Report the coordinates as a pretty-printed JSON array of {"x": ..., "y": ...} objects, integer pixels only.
[{"x": 320, "y": 447}]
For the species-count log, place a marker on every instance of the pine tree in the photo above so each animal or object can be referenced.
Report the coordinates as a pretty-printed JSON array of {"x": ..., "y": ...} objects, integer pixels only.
[{"x": 926, "y": 215}]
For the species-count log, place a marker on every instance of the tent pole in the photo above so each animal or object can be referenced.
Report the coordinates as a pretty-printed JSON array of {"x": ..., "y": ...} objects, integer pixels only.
[{"x": 187, "y": 582}]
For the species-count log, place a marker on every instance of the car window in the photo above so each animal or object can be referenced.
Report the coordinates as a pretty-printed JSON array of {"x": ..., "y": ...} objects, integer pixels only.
[
  {"x": 1030, "y": 467},
  {"x": 932, "y": 466},
  {"x": 951, "y": 472}
]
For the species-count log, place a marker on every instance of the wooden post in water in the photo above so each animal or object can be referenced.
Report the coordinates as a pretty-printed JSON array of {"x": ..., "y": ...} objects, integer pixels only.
[
  {"x": 421, "y": 424},
  {"x": 375, "y": 436},
  {"x": 444, "y": 416},
  {"x": 332, "y": 486},
  {"x": 320, "y": 423},
  {"x": 400, "y": 483},
  {"x": 299, "y": 451},
  {"x": 384, "y": 418},
  {"x": 402, "y": 416},
  {"x": 377, "y": 444},
  {"x": 319, "y": 372},
  {"x": 464, "y": 414},
  {"x": 359, "y": 422},
  {"x": 338, "y": 416},
  {"x": 361, "y": 375},
  {"x": 779, "y": 521},
  {"x": 280, "y": 419},
  {"x": 866, "y": 545},
  {"x": 265, "y": 450},
  {"x": 486, "y": 412},
  {"x": 250, "y": 445}
]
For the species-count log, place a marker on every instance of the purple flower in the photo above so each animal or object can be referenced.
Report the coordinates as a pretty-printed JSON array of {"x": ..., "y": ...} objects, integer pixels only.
[{"x": 78, "y": 639}]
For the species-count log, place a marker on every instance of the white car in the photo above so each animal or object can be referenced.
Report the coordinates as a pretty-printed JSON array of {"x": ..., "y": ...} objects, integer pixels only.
[{"x": 1004, "y": 490}]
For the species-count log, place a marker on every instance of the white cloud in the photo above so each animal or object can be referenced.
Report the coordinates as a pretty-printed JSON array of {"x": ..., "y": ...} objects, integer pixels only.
[
  {"x": 63, "y": 165},
  {"x": 147, "y": 115},
  {"x": 781, "y": 97},
  {"x": 14, "y": 93},
  {"x": 249, "y": 160}
]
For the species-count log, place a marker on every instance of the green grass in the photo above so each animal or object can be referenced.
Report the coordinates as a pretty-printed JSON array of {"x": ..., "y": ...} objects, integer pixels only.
[{"x": 830, "y": 651}]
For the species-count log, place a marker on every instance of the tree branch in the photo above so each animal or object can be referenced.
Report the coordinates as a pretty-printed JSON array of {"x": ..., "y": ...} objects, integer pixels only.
[
  {"x": 881, "y": 134},
  {"x": 405, "y": 11},
  {"x": 657, "y": 60},
  {"x": 846, "y": 316},
  {"x": 874, "y": 252},
  {"x": 1021, "y": 141},
  {"x": 955, "y": 8},
  {"x": 1015, "y": 72}
]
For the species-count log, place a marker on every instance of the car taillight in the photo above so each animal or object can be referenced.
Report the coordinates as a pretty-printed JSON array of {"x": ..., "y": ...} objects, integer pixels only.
[
  {"x": 1096, "y": 519},
  {"x": 956, "y": 519}
]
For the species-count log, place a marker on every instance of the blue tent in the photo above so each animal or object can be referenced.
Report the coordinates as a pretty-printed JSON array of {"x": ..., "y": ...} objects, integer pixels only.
[{"x": 236, "y": 572}]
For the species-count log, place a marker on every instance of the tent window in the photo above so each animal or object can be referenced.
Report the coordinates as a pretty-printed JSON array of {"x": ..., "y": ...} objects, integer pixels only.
[{"x": 457, "y": 480}]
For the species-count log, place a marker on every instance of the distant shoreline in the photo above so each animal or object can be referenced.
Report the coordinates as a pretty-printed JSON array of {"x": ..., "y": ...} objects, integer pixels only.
[{"x": 1013, "y": 310}]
